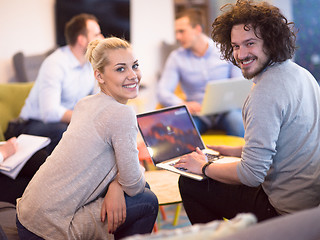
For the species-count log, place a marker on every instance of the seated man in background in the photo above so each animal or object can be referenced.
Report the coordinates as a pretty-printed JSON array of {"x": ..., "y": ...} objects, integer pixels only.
[
  {"x": 195, "y": 63},
  {"x": 64, "y": 78}
]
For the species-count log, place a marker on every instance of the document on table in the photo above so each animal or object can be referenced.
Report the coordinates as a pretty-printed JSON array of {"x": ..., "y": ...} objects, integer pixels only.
[{"x": 27, "y": 146}]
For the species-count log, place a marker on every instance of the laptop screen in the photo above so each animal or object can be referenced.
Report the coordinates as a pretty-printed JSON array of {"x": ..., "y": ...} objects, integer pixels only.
[{"x": 169, "y": 133}]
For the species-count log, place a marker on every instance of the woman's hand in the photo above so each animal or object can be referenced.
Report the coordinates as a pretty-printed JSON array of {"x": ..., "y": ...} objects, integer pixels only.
[
  {"x": 9, "y": 148},
  {"x": 193, "y": 162},
  {"x": 227, "y": 150},
  {"x": 114, "y": 206}
]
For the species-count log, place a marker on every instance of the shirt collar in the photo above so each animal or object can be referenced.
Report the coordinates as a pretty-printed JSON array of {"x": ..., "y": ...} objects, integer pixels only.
[
  {"x": 208, "y": 51},
  {"x": 74, "y": 62},
  {"x": 256, "y": 78}
]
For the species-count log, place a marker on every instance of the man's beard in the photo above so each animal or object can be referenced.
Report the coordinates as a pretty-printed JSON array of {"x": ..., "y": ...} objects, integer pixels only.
[{"x": 260, "y": 68}]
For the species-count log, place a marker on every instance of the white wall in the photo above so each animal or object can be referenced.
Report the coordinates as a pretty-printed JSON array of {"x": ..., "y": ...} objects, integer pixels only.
[
  {"x": 152, "y": 21},
  {"x": 26, "y": 25},
  {"x": 284, "y": 5}
]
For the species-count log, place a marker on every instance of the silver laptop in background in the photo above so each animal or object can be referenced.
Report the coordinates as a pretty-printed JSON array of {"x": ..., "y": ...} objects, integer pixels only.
[
  {"x": 168, "y": 134},
  {"x": 224, "y": 95}
]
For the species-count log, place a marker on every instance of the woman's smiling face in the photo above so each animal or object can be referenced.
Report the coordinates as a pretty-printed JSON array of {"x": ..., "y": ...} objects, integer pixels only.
[{"x": 121, "y": 76}]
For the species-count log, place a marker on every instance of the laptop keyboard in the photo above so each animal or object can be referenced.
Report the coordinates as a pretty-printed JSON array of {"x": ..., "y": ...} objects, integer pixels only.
[
  {"x": 210, "y": 157},
  {"x": 180, "y": 168}
]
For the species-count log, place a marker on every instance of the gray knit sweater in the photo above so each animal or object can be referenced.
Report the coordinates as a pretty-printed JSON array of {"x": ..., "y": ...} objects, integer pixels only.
[
  {"x": 282, "y": 137},
  {"x": 63, "y": 200}
]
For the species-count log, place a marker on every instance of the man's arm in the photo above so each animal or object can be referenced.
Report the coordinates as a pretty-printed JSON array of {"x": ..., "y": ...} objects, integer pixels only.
[
  {"x": 193, "y": 107},
  {"x": 222, "y": 172},
  {"x": 66, "y": 118},
  {"x": 232, "y": 151},
  {"x": 168, "y": 82},
  {"x": 51, "y": 80}
]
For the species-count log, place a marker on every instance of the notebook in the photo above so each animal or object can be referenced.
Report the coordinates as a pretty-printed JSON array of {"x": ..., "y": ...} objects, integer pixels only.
[
  {"x": 27, "y": 146},
  {"x": 224, "y": 95},
  {"x": 169, "y": 133}
]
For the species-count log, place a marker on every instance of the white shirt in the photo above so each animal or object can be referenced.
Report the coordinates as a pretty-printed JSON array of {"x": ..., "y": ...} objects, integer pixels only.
[
  {"x": 193, "y": 73},
  {"x": 62, "y": 81}
]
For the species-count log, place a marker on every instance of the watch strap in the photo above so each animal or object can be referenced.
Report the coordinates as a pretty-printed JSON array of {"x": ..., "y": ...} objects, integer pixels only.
[{"x": 204, "y": 168}]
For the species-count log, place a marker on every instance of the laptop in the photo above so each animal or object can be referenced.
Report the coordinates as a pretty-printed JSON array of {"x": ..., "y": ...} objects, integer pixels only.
[
  {"x": 224, "y": 95},
  {"x": 169, "y": 133}
]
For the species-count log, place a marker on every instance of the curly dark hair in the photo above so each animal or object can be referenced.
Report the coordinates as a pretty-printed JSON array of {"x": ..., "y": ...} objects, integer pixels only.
[{"x": 274, "y": 29}]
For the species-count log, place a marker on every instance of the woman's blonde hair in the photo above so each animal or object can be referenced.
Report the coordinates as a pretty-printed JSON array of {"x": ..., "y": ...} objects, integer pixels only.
[{"x": 97, "y": 51}]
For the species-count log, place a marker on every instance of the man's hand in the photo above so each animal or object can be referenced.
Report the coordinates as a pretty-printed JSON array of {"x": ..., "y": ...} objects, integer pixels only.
[
  {"x": 193, "y": 107},
  {"x": 66, "y": 118},
  {"x": 193, "y": 162},
  {"x": 114, "y": 206}
]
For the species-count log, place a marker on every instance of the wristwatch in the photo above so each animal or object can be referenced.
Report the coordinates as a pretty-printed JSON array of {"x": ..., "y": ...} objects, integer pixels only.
[{"x": 205, "y": 166}]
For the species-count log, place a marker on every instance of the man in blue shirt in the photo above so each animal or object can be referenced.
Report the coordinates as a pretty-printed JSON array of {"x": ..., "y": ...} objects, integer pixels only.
[
  {"x": 192, "y": 65},
  {"x": 64, "y": 78}
]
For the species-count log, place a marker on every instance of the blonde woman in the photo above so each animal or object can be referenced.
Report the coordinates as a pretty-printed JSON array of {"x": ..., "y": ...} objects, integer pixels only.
[{"x": 92, "y": 186}]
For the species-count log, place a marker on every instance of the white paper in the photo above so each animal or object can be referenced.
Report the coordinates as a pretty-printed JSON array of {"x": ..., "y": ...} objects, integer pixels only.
[{"x": 27, "y": 145}]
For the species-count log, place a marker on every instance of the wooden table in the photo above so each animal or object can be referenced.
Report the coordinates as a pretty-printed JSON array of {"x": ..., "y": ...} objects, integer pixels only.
[{"x": 165, "y": 185}]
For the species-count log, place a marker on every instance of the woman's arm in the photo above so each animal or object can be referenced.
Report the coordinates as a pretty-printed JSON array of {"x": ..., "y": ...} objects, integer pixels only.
[
  {"x": 124, "y": 142},
  {"x": 114, "y": 206}
]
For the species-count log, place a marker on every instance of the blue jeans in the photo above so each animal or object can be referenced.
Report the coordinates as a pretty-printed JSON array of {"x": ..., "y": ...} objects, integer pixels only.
[
  {"x": 231, "y": 122},
  {"x": 142, "y": 211},
  {"x": 25, "y": 233}
]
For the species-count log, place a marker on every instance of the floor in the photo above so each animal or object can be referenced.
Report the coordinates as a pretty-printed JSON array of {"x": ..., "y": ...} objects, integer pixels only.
[
  {"x": 167, "y": 223},
  {"x": 164, "y": 184}
]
